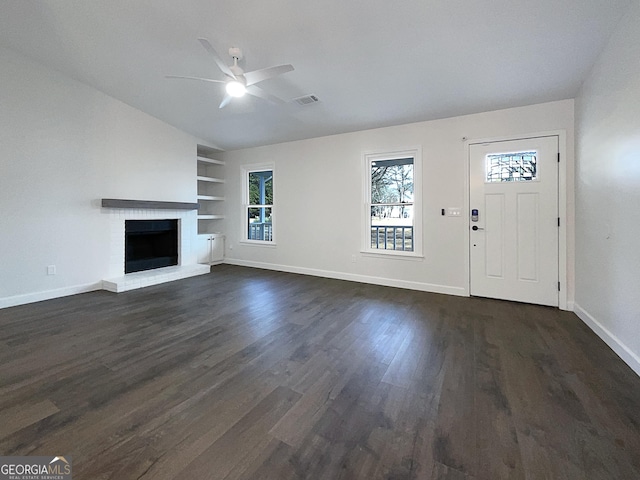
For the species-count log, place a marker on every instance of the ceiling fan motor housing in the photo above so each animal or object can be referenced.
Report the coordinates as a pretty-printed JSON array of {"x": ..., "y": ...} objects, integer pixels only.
[{"x": 235, "y": 52}]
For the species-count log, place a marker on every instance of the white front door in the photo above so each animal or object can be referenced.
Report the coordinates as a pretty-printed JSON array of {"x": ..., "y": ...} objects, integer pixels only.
[{"x": 514, "y": 237}]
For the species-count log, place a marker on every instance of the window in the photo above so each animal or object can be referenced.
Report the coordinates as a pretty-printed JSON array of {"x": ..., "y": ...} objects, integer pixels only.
[
  {"x": 258, "y": 211},
  {"x": 512, "y": 167},
  {"x": 392, "y": 207}
]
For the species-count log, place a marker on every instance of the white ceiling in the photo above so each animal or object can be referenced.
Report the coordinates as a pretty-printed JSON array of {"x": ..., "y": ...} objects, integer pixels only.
[{"x": 371, "y": 62}]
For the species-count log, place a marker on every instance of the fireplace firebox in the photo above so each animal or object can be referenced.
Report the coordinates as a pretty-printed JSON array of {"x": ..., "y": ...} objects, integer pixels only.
[{"x": 150, "y": 244}]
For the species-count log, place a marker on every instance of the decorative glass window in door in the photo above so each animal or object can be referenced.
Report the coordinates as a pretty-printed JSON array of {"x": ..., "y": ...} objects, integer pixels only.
[{"x": 512, "y": 167}]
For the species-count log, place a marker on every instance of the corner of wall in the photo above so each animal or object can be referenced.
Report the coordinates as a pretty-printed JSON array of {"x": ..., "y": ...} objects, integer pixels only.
[{"x": 624, "y": 352}]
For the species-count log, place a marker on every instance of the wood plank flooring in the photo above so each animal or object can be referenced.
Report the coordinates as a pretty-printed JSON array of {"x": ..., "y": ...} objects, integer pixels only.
[{"x": 251, "y": 374}]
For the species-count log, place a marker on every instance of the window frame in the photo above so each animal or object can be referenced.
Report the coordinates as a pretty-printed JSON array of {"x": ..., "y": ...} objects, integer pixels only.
[
  {"x": 245, "y": 206},
  {"x": 367, "y": 159}
]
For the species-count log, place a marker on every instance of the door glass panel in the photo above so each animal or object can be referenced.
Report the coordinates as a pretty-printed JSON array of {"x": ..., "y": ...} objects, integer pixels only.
[{"x": 512, "y": 167}]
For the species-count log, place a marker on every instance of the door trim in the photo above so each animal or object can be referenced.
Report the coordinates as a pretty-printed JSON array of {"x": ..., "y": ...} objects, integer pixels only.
[{"x": 563, "y": 296}]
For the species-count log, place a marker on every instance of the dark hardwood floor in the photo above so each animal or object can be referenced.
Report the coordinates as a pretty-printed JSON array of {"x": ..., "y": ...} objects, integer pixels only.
[{"x": 250, "y": 374}]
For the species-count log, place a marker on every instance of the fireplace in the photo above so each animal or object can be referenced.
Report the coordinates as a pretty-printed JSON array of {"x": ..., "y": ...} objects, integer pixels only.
[{"x": 150, "y": 244}]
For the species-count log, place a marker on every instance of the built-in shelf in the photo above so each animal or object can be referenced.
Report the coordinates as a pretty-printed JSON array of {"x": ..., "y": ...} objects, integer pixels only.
[
  {"x": 202, "y": 178},
  {"x": 148, "y": 204},
  {"x": 210, "y": 160},
  {"x": 210, "y": 197}
]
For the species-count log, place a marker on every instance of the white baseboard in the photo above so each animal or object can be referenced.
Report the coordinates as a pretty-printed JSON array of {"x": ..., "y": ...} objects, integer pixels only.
[
  {"x": 352, "y": 277},
  {"x": 48, "y": 294},
  {"x": 609, "y": 338}
]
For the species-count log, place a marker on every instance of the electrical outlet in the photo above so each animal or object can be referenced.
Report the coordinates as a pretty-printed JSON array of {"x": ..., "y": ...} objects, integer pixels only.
[
  {"x": 353, "y": 258},
  {"x": 51, "y": 270}
]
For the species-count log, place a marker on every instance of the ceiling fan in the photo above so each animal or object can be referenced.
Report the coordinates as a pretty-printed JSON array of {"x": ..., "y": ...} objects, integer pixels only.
[{"x": 238, "y": 81}]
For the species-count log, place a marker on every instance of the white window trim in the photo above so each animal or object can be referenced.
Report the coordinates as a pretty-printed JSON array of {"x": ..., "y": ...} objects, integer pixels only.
[
  {"x": 367, "y": 158},
  {"x": 245, "y": 170}
]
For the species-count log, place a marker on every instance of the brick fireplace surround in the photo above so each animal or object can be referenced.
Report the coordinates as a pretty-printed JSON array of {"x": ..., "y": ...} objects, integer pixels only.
[{"x": 187, "y": 266}]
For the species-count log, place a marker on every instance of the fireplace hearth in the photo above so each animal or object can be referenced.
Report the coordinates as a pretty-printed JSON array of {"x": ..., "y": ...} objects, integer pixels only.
[{"x": 150, "y": 244}]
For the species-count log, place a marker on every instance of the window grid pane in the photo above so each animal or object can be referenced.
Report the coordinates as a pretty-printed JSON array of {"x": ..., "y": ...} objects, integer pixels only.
[
  {"x": 260, "y": 224},
  {"x": 261, "y": 188},
  {"x": 392, "y": 181}
]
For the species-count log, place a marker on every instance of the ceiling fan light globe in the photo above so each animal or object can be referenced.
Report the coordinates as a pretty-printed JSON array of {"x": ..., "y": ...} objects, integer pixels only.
[{"x": 236, "y": 89}]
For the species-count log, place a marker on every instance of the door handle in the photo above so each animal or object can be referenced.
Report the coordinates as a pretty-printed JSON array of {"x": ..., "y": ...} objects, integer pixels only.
[{"x": 475, "y": 227}]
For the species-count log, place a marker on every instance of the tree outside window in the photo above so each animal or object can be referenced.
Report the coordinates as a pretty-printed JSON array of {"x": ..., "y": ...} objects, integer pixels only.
[
  {"x": 258, "y": 188},
  {"x": 391, "y": 196}
]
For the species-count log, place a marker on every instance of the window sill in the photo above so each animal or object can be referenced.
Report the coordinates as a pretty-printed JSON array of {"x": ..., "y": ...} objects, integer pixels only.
[
  {"x": 257, "y": 243},
  {"x": 396, "y": 255}
]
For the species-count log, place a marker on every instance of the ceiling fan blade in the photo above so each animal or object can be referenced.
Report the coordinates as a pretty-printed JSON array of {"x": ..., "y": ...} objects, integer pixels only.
[
  {"x": 216, "y": 58},
  {"x": 257, "y": 76},
  {"x": 225, "y": 101},
  {"x": 258, "y": 92},
  {"x": 195, "y": 78}
]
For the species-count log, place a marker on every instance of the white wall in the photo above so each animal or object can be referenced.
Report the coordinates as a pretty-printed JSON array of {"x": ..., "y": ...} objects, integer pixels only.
[
  {"x": 318, "y": 197},
  {"x": 608, "y": 193},
  {"x": 64, "y": 146}
]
